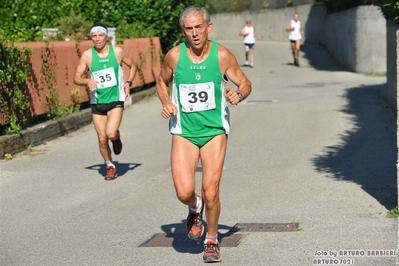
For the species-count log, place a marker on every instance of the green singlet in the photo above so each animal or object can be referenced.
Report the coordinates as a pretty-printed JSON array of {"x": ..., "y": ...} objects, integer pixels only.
[
  {"x": 109, "y": 75},
  {"x": 199, "y": 94}
]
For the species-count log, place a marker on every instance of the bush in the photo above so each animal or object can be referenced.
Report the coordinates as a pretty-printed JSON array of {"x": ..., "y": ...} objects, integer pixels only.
[{"x": 23, "y": 20}]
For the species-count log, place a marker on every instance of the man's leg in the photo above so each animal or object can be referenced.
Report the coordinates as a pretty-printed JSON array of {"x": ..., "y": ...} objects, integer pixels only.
[
  {"x": 184, "y": 161},
  {"x": 293, "y": 45},
  {"x": 297, "y": 50},
  {"x": 212, "y": 158},
  {"x": 113, "y": 123},
  {"x": 252, "y": 56},
  {"x": 100, "y": 125},
  {"x": 246, "y": 54}
]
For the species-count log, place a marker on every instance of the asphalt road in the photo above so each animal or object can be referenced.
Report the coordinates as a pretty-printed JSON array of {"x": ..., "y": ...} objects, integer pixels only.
[{"x": 314, "y": 146}]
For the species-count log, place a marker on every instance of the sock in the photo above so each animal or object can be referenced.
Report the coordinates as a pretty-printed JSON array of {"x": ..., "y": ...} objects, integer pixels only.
[
  {"x": 109, "y": 163},
  {"x": 198, "y": 205},
  {"x": 213, "y": 238}
]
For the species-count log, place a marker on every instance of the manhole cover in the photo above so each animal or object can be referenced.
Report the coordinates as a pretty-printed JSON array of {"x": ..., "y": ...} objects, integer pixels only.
[
  {"x": 175, "y": 240},
  {"x": 264, "y": 227}
]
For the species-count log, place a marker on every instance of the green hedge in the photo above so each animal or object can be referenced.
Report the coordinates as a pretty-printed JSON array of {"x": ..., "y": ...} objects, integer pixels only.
[{"x": 23, "y": 20}]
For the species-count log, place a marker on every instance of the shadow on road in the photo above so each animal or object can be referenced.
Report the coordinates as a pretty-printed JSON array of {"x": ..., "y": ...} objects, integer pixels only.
[
  {"x": 366, "y": 154},
  {"x": 181, "y": 243},
  {"x": 122, "y": 168},
  {"x": 319, "y": 58}
]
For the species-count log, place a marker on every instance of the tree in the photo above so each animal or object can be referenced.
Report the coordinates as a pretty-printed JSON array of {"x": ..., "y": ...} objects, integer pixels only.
[
  {"x": 23, "y": 20},
  {"x": 390, "y": 8}
]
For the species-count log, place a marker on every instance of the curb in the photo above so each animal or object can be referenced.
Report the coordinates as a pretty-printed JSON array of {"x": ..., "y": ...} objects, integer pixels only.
[{"x": 38, "y": 134}]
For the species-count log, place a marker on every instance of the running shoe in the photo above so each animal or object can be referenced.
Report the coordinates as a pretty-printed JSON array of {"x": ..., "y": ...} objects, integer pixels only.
[
  {"x": 117, "y": 145},
  {"x": 111, "y": 173},
  {"x": 195, "y": 227},
  {"x": 212, "y": 252}
]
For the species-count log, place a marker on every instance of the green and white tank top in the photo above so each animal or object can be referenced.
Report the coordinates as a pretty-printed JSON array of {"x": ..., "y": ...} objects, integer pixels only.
[
  {"x": 109, "y": 75},
  {"x": 199, "y": 92}
]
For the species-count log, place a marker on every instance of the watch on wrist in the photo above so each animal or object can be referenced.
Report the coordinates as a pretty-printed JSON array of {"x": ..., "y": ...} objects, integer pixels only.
[
  {"x": 129, "y": 82},
  {"x": 240, "y": 96}
]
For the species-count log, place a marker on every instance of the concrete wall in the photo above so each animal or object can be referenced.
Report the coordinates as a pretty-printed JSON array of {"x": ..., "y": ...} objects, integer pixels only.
[
  {"x": 397, "y": 115},
  {"x": 392, "y": 74},
  {"x": 269, "y": 24},
  {"x": 355, "y": 37},
  {"x": 360, "y": 39}
]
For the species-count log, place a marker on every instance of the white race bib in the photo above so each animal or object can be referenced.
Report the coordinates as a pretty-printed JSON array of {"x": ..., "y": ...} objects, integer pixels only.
[
  {"x": 106, "y": 78},
  {"x": 197, "y": 97}
]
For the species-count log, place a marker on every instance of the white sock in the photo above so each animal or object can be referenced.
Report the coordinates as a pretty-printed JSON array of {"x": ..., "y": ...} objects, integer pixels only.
[
  {"x": 198, "y": 205},
  {"x": 109, "y": 163},
  {"x": 214, "y": 239}
]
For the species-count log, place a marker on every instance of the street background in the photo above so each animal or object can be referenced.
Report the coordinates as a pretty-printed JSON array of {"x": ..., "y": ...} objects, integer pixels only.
[{"x": 314, "y": 145}]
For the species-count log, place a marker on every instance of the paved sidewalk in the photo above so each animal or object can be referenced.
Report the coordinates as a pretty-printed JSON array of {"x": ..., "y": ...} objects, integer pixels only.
[{"x": 312, "y": 147}]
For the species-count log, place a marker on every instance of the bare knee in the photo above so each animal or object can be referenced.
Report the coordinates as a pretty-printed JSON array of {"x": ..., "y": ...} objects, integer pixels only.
[
  {"x": 103, "y": 143},
  {"x": 185, "y": 196},
  {"x": 112, "y": 134},
  {"x": 210, "y": 197}
]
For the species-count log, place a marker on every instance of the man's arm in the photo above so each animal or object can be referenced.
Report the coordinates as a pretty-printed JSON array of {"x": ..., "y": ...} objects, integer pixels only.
[
  {"x": 288, "y": 28},
  {"x": 83, "y": 65},
  {"x": 242, "y": 32},
  {"x": 166, "y": 74},
  {"x": 127, "y": 60},
  {"x": 230, "y": 67}
]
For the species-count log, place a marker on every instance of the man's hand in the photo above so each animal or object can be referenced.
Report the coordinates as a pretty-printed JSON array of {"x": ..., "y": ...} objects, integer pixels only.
[
  {"x": 168, "y": 110},
  {"x": 92, "y": 84},
  {"x": 232, "y": 96},
  {"x": 127, "y": 91}
]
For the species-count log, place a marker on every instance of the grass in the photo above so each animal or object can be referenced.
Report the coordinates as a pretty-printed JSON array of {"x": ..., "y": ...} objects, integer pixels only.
[
  {"x": 8, "y": 156},
  {"x": 394, "y": 213}
]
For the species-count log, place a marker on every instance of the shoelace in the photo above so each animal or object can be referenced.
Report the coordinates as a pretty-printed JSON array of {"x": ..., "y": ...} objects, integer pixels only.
[{"x": 211, "y": 248}]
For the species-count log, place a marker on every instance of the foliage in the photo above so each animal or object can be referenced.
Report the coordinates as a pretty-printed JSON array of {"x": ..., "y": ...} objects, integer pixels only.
[
  {"x": 74, "y": 27},
  {"x": 339, "y": 5},
  {"x": 14, "y": 69},
  {"x": 49, "y": 83},
  {"x": 75, "y": 99},
  {"x": 394, "y": 213},
  {"x": 226, "y": 6},
  {"x": 390, "y": 8},
  {"x": 23, "y": 20},
  {"x": 7, "y": 156},
  {"x": 56, "y": 107},
  {"x": 133, "y": 30}
]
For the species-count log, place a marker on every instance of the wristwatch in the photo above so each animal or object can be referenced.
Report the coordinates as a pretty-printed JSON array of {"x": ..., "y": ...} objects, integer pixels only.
[
  {"x": 240, "y": 96},
  {"x": 129, "y": 82}
]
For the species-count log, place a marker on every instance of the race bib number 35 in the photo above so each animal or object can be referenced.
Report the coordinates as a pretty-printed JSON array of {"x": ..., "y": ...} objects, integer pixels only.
[
  {"x": 106, "y": 78},
  {"x": 197, "y": 97}
]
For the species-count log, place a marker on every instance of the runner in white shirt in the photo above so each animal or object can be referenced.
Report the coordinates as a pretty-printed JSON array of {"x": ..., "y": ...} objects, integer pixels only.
[
  {"x": 249, "y": 34},
  {"x": 295, "y": 31}
]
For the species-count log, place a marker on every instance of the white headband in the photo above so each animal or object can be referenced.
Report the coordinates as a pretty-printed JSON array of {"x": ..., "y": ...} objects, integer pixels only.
[{"x": 98, "y": 29}]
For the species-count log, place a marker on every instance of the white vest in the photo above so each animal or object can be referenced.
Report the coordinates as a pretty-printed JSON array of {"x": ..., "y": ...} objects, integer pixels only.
[
  {"x": 250, "y": 38},
  {"x": 296, "y": 33}
]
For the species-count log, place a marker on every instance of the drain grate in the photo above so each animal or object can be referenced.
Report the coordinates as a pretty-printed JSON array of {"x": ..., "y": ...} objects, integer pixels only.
[
  {"x": 230, "y": 239},
  {"x": 261, "y": 101},
  {"x": 264, "y": 227},
  {"x": 181, "y": 240}
]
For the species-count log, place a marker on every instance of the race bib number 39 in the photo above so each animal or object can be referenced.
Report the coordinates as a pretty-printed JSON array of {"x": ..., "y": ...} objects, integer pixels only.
[
  {"x": 105, "y": 78},
  {"x": 197, "y": 97}
]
